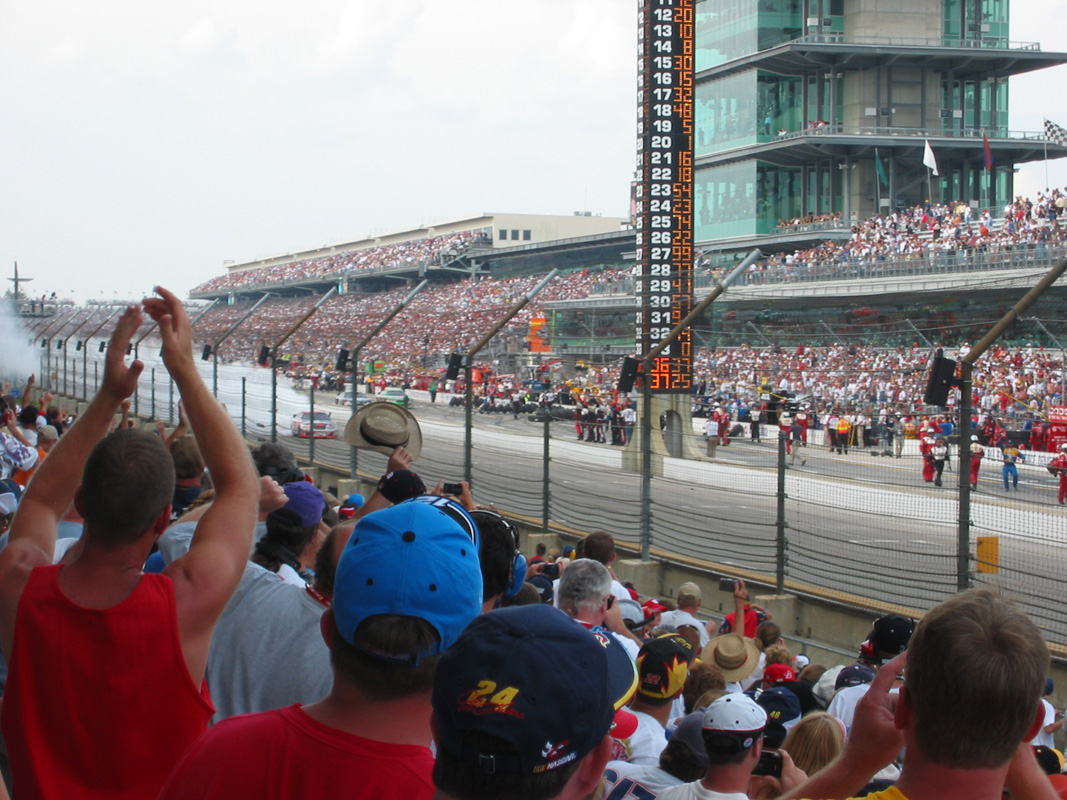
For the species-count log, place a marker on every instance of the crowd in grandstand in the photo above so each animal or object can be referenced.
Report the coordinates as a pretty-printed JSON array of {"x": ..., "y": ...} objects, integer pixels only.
[
  {"x": 430, "y": 251},
  {"x": 925, "y": 232}
]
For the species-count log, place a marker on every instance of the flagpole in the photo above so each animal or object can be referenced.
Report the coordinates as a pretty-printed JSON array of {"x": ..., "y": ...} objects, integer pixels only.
[{"x": 1045, "y": 143}]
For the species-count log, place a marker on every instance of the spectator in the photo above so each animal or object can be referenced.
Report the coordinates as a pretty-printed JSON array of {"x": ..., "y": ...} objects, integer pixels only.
[
  {"x": 888, "y": 638},
  {"x": 814, "y": 741},
  {"x": 294, "y": 534},
  {"x": 46, "y": 440},
  {"x": 752, "y": 614},
  {"x": 733, "y": 729},
  {"x": 267, "y": 651},
  {"x": 689, "y": 600},
  {"x": 662, "y": 668},
  {"x": 99, "y": 702},
  {"x": 600, "y": 546},
  {"x": 735, "y": 655},
  {"x": 584, "y": 593},
  {"x": 682, "y": 760},
  {"x": 188, "y": 473},
  {"x": 965, "y": 730},
  {"x": 16, "y": 452},
  {"x": 547, "y": 738},
  {"x": 407, "y": 584}
]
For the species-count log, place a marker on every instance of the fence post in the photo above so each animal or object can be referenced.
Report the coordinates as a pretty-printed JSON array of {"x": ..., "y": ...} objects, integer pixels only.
[
  {"x": 963, "y": 532},
  {"x": 244, "y": 390},
  {"x": 780, "y": 545},
  {"x": 545, "y": 456},
  {"x": 273, "y": 395},
  {"x": 170, "y": 402},
  {"x": 468, "y": 421},
  {"x": 153, "y": 395},
  {"x": 646, "y": 466},
  {"x": 311, "y": 405}
]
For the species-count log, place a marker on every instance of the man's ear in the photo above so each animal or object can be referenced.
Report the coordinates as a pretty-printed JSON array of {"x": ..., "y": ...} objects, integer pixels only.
[
  {"x": 1037, "y": 724},
  {"x": 590, "y": 772},
  {"x": 902, "y": 715},
  {"x": 162, "y": 521},
  {"x": 327, "y": 627}
]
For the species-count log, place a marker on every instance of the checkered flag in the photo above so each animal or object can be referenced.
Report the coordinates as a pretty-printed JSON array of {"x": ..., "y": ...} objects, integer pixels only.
[{"x": 1055, "y": 134}]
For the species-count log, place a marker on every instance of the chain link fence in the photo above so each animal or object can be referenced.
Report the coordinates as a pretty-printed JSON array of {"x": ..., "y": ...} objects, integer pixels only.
[{"x": 857, "y": 525}]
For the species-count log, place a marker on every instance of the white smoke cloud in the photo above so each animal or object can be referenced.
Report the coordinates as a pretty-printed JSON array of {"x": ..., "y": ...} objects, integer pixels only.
[{"x": 18, "y": 358}]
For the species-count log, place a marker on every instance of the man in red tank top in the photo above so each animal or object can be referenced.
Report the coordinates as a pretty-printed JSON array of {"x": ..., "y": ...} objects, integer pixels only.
[{"x": 105, "y": 691}]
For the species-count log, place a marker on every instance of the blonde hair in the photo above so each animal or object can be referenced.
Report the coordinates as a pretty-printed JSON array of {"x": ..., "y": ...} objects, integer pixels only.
[
  {"x": 778, "y": 654},
  {"x": 814, "y": 741}
]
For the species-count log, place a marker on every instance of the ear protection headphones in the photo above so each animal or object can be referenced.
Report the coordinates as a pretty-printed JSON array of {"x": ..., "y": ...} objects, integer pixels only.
[
  {"x": 867, "y": 651},
  {"x": 517, "y": 566}
]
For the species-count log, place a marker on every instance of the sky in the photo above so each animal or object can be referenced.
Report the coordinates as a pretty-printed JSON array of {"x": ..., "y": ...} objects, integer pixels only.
[{"x": 147, "y": 143}]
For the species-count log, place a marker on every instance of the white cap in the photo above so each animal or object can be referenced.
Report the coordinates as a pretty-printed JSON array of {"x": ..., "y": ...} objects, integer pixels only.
[
  {"x": 974, "y": 438},
  {"x": 738, "y": 714}
]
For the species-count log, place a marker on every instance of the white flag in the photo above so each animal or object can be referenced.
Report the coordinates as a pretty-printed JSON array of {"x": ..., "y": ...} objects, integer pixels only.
[{"x": 928, "y": 158}]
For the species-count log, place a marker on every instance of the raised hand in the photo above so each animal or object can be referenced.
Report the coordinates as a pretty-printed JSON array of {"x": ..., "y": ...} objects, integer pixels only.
[
  {"x": 174, "y": 328},
  {"x": 120, "y": 381}
]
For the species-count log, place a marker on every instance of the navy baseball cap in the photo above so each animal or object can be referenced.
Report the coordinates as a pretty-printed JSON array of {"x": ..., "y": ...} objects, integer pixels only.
[
  {"x": 783, "y": 712},
  {"x": 853, "y": 675},
  {"x": 502, "y": 678},
  {"x": 413, "y": 560}
]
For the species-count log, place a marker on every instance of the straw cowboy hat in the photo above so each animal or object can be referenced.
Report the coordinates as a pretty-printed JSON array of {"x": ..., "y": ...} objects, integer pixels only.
[
  {"x": 735, "y": 655},
  {"x": 384, "y": 427}
]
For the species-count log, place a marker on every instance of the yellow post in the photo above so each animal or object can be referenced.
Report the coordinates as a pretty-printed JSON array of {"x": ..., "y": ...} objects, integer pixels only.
[{"x": 989, "y": 554}]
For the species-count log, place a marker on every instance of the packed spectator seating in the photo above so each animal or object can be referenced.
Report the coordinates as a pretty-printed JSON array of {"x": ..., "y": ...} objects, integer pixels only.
[
  {"x": 442, "y": 318},
  {"x": 928, "y": 232},
  {"x": 434, "y": 250}
]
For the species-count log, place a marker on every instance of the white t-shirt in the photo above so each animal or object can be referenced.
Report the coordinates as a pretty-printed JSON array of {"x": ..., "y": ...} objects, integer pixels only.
[
  {"x": 635, "y": 780},
  {"x": 843, "y": 706},
  {"x": 672, "y": 620},
  {"x": 1042, "y": 737},
  {"x": 647, "y": 741}
]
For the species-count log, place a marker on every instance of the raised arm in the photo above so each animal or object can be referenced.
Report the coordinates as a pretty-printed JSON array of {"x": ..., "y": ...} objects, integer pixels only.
[
  {"x": 206, "y": 576},
  {"x": 45, "y": 501},
  {"x": 27, "y": 396}
]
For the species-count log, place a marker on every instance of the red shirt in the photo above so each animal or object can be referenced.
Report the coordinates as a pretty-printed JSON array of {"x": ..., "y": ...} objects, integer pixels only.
[
  {"x": 99, "y": 702},
  {"x": 284, "y": 754}
]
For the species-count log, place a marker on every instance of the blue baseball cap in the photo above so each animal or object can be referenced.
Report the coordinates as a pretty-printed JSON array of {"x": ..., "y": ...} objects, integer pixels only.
[
  {"x": 413, "y": 560},
  {"x": 502, "y": 678}
]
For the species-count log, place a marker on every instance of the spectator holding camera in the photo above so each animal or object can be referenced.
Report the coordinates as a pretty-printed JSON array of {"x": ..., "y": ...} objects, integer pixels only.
[{"x": 733, "y": 728}]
